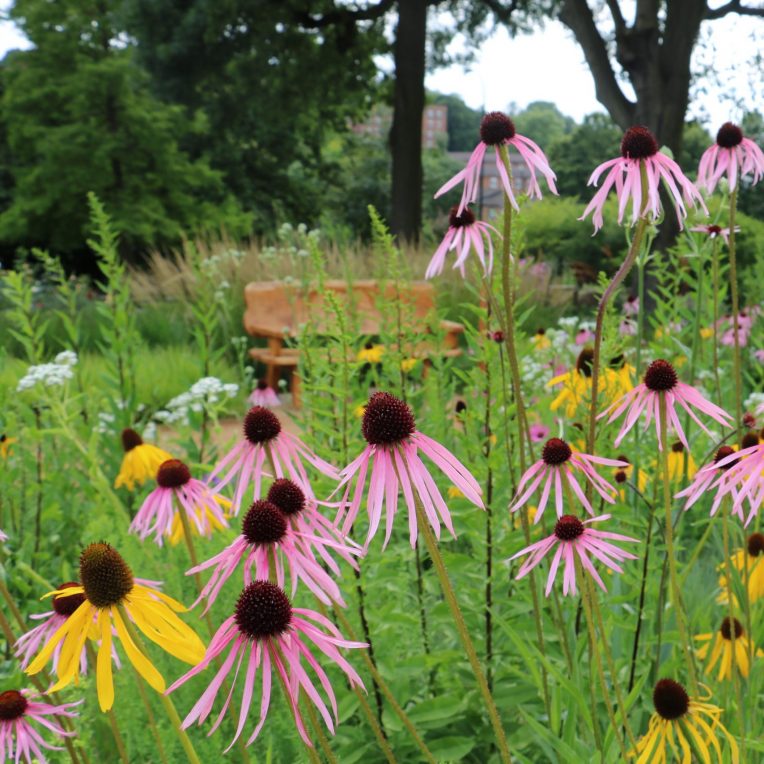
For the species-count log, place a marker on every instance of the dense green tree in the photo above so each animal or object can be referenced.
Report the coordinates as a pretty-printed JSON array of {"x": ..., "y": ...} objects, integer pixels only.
[
  {"x": 79, "y": 116},
  {"x": 751, "y": 198},
  {"x": 463, "y": 122},
  {"x": 543, "y": 122}
]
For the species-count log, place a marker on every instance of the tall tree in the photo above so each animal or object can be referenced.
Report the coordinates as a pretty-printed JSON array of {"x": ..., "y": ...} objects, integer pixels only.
[
  {"x": 78, "y": 116},
  {"x": 653, "y": 50}
]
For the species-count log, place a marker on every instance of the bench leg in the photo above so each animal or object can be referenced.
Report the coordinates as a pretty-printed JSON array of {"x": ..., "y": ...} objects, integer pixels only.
[
  {"x": 296, "y": 402},
  {"x": 272, "y": 375}
]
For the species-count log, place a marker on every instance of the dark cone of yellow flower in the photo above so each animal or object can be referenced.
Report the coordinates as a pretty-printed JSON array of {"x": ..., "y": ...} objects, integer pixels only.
[{"x": 106, "y": 577}]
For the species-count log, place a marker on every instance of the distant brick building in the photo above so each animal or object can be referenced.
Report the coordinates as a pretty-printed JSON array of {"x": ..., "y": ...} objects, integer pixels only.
[
  {"x": 434, "y": 124},
  {"x": 490, "y": 200}
]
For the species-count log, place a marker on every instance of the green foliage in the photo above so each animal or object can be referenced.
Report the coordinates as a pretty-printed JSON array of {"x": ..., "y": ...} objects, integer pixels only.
[
  {"x": 463, "y": 122},
  {"x": 543, "y": 122},
  {"x": 79, "y": 117}
]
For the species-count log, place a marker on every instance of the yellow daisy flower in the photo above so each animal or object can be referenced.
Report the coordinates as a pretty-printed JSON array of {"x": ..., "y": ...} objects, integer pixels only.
[
  {"x": 722, "y": 648},
  {"x": 679, "y": 723},
  {"x": 407, "y": 364},
  {"x": 210, "y": 521},
  {"x": 576, "y": 387},
  {"x": 111, "y": 596},
  {"x": 371, "y": 354},
  {"x": 540, "y": 340},
  {"x": 751, "y": 557},
  {"x": 454, "y": 492},
  {"x": 707, "y": 332},
  {"x": 141, "y": 460},
  {"x": 676, "y": 463},
  {"x": 5, "y": 445}
]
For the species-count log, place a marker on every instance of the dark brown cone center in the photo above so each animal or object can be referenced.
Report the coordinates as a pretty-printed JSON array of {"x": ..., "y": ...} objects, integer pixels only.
[
  {"x": 729, "y": 136},
  {"x": 261, "y": 425},
  {"x": 173, "y": 474},
  {"x": 670, "y": 699},
  {"x": 726, "y": 630},
  {"x": 555, "y": 451},
  {"x": 12, "y": 705},
  {"x": 755, "y": 544},
  {"x": 467, "y": 218},
  {"x": 568, "y": 528},
  {"x": 106, "y": 577},
  {"x": 264, "y": 523},
  {"x": 585, "y": 361},
  {"x": 660, "y": 376},
  {"x": 65, "y": 606},
  {"x": 130, "y": 439},
  {"x": 638, "y": 143},
  {"x": 287, "y": 496},
  {"x": 386, "y": 419},
  {"x": 262, "y": 611},
  {"x": 496, "y": 128}
]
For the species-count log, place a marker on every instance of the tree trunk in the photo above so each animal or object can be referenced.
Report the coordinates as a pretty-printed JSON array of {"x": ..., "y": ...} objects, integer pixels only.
[{"x": 406, "y": 130}]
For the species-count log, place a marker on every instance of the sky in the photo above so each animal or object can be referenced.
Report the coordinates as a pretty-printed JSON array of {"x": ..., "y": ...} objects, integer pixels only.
[{"x": 548, "y": 65}]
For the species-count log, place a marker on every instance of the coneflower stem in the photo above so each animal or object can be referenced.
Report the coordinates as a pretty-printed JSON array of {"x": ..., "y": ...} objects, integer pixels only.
[
  {"x": 169, "y": 706},
  {"x": 586, "y": 599},
  {"x": 607, "y": 295},
  {"x": 115, "y": 733},
  {"x": 735, "y": 318},
  {"x": 469, "y": 648},
  {"x": 385, "y": 689},
  {"x": 734, "y": 668},
  {"x": 422, "y": 612},
  {"x": 715, "y": 285},
  {"x": 322, "y": 741},
  {"x": 676, "y": 597},
  {"x": 374, "y": 724}
]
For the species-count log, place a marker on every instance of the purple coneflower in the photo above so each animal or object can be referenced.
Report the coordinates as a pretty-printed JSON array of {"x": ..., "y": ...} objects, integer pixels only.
[
  {"x": 159, "y": 515},
  {"x": 392, "y": 452},
  {"x": 538, "y": 432},
  {"x": 733, "y": 154},
  {"x": 264, "y": 437},
  {"x": 712, "y": 231},
  {"x": 267, "y": 633},
  {"x": 264, "y": 395},
  {"x": 639, "y": 145},
  {"x": 560, "y": 463},
  {"x": 268, "y": 547},
  {"x": 19, "y": 739},
  {"x": 661, "y": 379},
  {"x": 464, "y": 232},
  {"x": 497, "y": 129},
  {"x": 571, "y": 537}
]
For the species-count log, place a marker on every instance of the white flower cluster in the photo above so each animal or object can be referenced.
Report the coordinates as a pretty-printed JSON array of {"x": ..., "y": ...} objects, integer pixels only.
[
  {"x": 206, "y": 391},
  {"x": 105, "y": 422},
  {"x": 755, "y": 402},
  {"x": 49, "y": 374}
]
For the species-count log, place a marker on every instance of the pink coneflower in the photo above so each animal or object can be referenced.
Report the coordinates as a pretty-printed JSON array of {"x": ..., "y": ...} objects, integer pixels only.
[
  {"x": 159, "y": 515},
  {"x": 392, "y": 451},
  {"x": 627, "y": 327},
  {"x": 661, "y": 379},
  {"x": 631, "y": 304},
  {"x": 267, "y": 633},
  {"x": 707, "y": 478},
  {"x": 497, "y": 129},
  {"x": 742, "y": 479},
  {"x": 19, "y": 738},
  {"x": 712, "y": 231},
  {"x": 538, "y": 432},
  {"x": 639, "y": 145},
  {"x": 560, "y": 463},
  {"x": 733, "y": 154},
  {"x": 572, "y": 537},
  {"x": 269, "y": 547},
  {"x": 264, "y": 395},
  {"x": 464, "y": 233},
  {"x": 745, "y": 322},
  {"x": 263, "y": 438},
  {"x": 584, "y": 336}
]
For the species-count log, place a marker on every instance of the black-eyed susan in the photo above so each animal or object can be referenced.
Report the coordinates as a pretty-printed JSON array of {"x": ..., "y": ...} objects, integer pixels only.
[
  {"x": 111, "y": 594},
  {"x": 718, "y": 649},
  {"x": 140, "y": 462},
  {"x": 678, "y": 456},
  {"x": 540, "y": 340},
  {"x": 681, "y": 723},
  {"x": 5, "y": 445},
  {"x": 370, "y": 353},
  {"x": 751, "y": 557}
]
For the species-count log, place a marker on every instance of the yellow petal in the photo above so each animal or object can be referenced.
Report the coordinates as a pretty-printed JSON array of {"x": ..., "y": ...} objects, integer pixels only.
[
  {"x": 144, "y": 666},
  {"x": 104, "y": 680},
  {"x": 44, "y": 655}
]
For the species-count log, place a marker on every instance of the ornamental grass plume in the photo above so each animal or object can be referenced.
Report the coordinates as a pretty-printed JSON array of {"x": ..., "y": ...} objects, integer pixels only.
[
  {"x": 661, "y": 380},
  {"x": 497, "y": 131},
  {"x": 719, "y": 649},
  {"x": 392, "y": 458},
  {"x": 557, "y": 470},
  {"x": 20, "y": 712},
  {"x": 264, "y": 441},
  {"x": 640, "y": 148},
  {"x": 111, "y": 594},
  {"x": 140, "y": 462},
  {"x": 269, "y": 548},
  {"x": 734, "y": 155},
  {"x": 465, "y": 233},
  {"x": 178, "y": 492},
  {"x": 681, "y": 723},
  {"x": 266, "y": 633},
  {"x": 572, "y": 538}
]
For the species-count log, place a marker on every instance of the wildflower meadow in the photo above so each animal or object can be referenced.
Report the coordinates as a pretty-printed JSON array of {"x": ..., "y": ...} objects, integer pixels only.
[{"x": 546, "y": 546}]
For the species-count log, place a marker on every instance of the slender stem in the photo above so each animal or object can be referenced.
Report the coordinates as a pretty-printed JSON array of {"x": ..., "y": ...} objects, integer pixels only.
[
  {"x": 150, "y": 714},
  {"x": 385, "y": 689},
  {"x": 38, "y": 464},
  {"x": 735, "y": 317},
  {"x": 316, "y": 724},
  {"x": 586, "y": 599},
  {"x": 422, "y": 610},
  {"x": 641, "y": 606},
  {"x": 696, "y": 552},
  {"x": 675, "y": 590},
  {"x": 12, "y": 605},
  {"x": 607, "y": 295},
  {"x": 116, "y": 734},
  {"x": 374, "y": 724},
  {"x": 715, "y": 291},
  {"x": 167, "y": 703},
  {"x": 450, "y": 596},
  {"x": 734, "y": 668}
]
